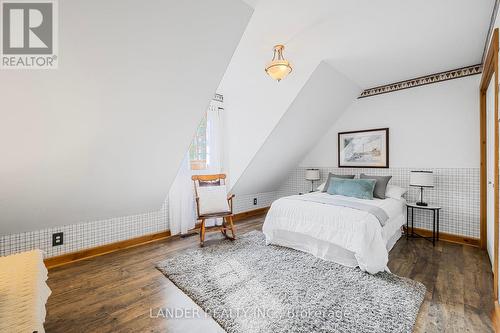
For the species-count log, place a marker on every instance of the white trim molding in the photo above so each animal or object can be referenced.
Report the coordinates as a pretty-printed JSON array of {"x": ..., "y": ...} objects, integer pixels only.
[{"x": 490, "y": 29}]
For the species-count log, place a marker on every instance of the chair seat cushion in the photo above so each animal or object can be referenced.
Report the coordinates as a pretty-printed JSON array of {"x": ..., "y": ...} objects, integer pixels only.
[
  {"x": 214, "y": 215},
  {"x": 213, "y": 200}
]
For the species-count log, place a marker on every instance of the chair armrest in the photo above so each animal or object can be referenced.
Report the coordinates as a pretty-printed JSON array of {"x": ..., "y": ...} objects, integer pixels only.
[
  {"x": 197, "y": 199},
  {"x": 230, "y": 201}
]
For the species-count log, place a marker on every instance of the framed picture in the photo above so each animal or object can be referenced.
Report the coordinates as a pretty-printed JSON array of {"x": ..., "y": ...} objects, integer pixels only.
[{"x": 364, "y": 149}]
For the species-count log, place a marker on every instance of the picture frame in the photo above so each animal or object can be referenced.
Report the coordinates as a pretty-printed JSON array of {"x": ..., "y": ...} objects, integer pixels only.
[{"x": 364, "y": 149}]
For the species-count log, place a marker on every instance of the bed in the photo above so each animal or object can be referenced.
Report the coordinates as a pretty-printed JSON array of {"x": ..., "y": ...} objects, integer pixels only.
[{"x": 350, "y": 231}]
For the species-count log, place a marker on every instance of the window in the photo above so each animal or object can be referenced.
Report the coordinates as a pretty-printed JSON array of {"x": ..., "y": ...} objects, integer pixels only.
[
  {"x": 198, "y": 150},
  {"x": 205, "y": 152}
]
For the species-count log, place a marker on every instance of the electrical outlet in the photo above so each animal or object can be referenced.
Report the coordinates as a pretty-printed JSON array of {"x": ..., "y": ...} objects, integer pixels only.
[
  {"x": 255, "y": 201},
  {"x": 57, "y": 239}
]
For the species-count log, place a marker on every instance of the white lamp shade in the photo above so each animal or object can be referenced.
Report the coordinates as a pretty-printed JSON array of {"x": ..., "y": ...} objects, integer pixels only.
[
  {"x": 312, "y": 174},
  {"x": 422, "y": 179}
]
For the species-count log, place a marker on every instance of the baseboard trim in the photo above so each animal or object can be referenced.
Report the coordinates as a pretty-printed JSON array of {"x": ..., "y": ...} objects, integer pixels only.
[
  {"x": 104, "y": 249},
  {"x": 250, "y": 213},
  {"x": 450, "y": 238},
  {"x": 495, "y": 317},
  {"x": 67, "y": 258}
]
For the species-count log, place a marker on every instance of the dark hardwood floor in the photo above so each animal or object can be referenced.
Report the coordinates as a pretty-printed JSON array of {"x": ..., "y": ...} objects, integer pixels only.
[{"x": 122, "y": 291}]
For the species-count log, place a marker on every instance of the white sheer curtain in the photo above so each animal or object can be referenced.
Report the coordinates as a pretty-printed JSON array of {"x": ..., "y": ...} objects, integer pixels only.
[
  {"x": 215, "y": 145},
  {"x": 215, "y": 136},
  {"x": 181, "y": 205}
]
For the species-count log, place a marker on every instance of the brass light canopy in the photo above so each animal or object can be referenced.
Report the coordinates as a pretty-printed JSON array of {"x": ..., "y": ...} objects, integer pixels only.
[{"x": 279, "y": 67}]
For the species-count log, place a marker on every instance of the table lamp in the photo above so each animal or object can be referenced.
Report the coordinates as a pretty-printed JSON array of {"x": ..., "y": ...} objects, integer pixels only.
[
  {"x": 421, "y": 179},
  {"x": 312, "y": 175}
]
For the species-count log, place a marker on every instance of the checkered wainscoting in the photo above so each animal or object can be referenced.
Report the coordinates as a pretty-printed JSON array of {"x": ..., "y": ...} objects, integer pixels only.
[
  {"x": 86, "y": 235},
  {"x": 95, "y": 233},
  {"x": 244, "y": 203},
  {"x": 456, "y": 191}
]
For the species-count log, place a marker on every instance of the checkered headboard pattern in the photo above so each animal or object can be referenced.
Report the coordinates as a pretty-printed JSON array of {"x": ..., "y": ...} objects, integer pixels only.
[{"x": 456, "y": 191}]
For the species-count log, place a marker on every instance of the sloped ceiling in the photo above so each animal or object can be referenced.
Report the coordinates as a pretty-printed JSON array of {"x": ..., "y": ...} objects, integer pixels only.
[
  {"x": 251, "y": 3},
  {"x": 104, "y": 135},
  {"x": 319, "y": 103},
  {"x": 370, "y": 42}
]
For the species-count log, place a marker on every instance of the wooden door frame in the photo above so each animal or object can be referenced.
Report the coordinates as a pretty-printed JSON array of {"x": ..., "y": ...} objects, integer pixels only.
[{"x": 490, "y": 71}]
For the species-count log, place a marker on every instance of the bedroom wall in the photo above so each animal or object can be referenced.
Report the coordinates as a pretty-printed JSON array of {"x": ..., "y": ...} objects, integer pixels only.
[
  {"x": 91, "y": 148},
  {"x": 254, "y": 102},
  {"x": 433, "y": 127},
  {"x": 323, "y": 32},
  {"x": 103, "y": 135},
  {"x": 312, "y": 112},
  {"x": 88, "y": 234}
]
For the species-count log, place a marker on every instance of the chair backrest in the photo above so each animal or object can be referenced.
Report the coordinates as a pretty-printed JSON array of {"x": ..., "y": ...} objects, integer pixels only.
[
  {"x": 201, "y": 181},
  {"x": 208, "y": 180}
]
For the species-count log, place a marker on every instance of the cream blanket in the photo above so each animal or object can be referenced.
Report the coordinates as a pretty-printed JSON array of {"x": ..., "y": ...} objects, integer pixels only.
[{"x": 23, "y": 292}]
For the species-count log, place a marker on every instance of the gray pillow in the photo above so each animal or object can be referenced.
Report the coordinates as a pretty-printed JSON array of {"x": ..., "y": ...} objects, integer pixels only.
[
  {"x": 380, "y": 185},
  {"x": 331, "y": 175}
]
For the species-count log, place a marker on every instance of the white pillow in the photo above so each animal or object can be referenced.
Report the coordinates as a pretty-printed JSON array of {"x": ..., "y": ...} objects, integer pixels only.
[
  {"x": 321, "y": 187},
  {"x": 213, "y": 199},
  {"x": 395, "y": 192}
]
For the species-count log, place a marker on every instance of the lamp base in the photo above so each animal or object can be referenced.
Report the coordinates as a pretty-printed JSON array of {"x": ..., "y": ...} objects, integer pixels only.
[
  {"x": 312, "y": 186},
  {"x": 423, "y": 204}
]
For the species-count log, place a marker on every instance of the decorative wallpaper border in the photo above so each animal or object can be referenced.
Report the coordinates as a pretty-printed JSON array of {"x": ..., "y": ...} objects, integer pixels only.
[{"x": 420, "y": 81}]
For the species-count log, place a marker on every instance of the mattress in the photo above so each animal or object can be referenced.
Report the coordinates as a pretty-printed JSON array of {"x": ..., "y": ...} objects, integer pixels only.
[
  {"x": 345, "y": 235},
  {"x": 23, "y": 292}
]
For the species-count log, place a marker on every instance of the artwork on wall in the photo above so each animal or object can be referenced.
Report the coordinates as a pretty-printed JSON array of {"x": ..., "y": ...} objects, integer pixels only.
[{"x": 364, "y": 149}]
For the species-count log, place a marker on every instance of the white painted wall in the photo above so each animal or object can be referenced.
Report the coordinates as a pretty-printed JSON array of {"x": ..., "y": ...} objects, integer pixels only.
[
  {"x": 434, "y": 126},
  {"x": 103, "y": 135},
  {"x": 324, "y": 97}
]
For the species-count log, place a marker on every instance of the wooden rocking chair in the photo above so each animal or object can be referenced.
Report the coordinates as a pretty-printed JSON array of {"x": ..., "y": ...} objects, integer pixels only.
[{"x": 201, "y": 181}]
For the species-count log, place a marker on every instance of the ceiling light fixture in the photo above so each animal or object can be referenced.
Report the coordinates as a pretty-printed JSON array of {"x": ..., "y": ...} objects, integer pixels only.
[{"x": 278, "y": 68}]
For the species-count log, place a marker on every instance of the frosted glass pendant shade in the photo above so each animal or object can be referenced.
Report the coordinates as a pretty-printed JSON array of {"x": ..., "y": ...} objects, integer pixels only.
[{"x": 279, "y": 67}]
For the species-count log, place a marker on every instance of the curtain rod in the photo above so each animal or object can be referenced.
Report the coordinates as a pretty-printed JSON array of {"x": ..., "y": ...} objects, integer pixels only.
[{"x": 218, "y": 98}]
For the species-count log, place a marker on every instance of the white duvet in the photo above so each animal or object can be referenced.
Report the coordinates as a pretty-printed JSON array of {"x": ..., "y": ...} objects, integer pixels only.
[{"x": 331, "y": 232}]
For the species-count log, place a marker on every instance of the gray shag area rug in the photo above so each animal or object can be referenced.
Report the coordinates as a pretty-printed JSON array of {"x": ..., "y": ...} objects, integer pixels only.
[{"x": 247, "y": 286}]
